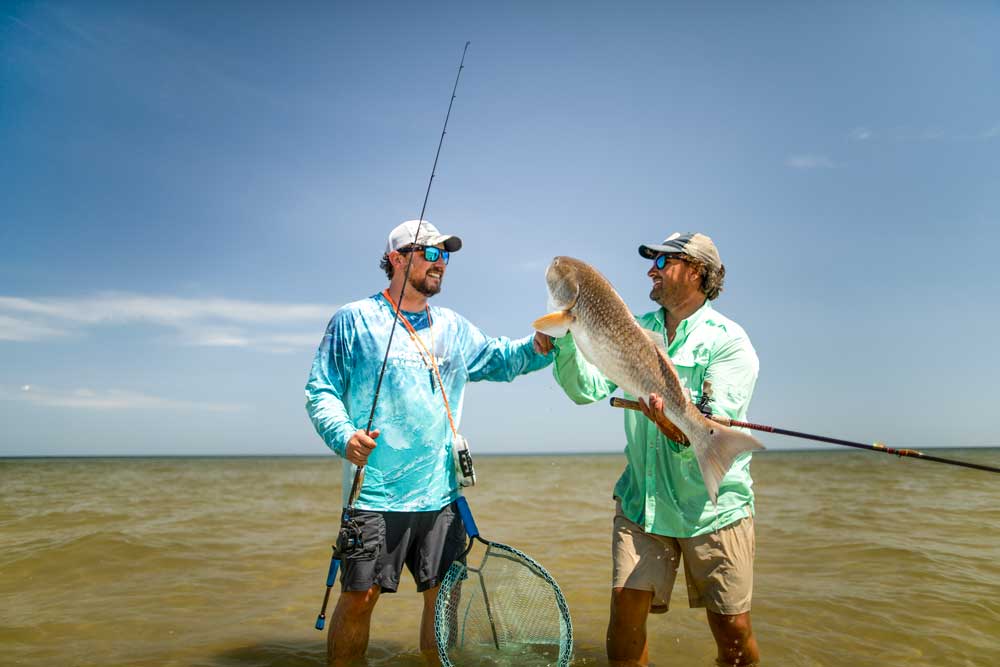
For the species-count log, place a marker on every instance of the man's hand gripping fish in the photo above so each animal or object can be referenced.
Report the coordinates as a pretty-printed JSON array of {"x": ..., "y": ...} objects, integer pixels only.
[{"x": 606, "y": 332}]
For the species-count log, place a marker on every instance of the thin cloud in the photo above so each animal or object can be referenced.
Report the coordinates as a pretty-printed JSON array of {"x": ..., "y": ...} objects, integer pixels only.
[
  {"x": 23, "y": 25},
  {"x": 130, "y": 48},
  {"x": 861, "y": 134},
  {"x": 118, "y": 307},
  {"x": 937, "y": 134},
  {"x": 108, "y": 399},
  {"x": 533, "y": 265},
  {"x": 197, "y": 322},
  {"x": 932, "y": 134},
  {"x": 17, "y": 329},
  {"x": 919, "y": 134},
  {"x": 294, "y": 340},
  {"x": 809, "y": 162},
  {"x": 287, "y": 343},
  {"x": 212, "y": 337}
]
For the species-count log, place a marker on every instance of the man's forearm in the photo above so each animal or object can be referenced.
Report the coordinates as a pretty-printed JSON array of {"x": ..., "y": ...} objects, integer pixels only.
[{"x": 580, "y": 379}]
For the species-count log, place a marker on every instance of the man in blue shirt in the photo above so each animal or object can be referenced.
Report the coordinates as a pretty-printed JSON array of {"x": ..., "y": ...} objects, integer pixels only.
[{"x": 405, "y": 509}]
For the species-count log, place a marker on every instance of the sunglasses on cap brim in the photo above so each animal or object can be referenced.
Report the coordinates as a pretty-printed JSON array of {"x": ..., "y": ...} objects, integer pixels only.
[{"x": 431, "y": 253}]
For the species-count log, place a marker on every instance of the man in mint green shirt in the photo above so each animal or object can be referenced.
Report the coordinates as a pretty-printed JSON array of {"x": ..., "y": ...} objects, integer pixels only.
[{"x": 663, "y": 512}]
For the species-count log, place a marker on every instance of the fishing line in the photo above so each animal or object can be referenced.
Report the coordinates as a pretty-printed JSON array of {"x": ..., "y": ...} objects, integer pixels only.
[
  {"x": 877, "y": 447},
  {"x": 350, "y": 534}
]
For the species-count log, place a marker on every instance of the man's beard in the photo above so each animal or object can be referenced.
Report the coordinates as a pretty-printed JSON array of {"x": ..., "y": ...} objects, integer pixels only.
[
  {"x": 424, "y": 286},
  {"x": 664, "y": 294}
]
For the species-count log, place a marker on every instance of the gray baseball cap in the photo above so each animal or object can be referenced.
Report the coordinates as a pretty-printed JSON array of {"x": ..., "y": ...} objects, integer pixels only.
[
  {"x": 694, "y": 245},
  {"x": 406, "y": 234}
]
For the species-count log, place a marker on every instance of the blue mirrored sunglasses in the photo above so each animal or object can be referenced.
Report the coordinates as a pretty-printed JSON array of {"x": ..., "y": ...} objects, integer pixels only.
[
  {"x": 661, "y": 260},
  {"x": 431, "y": 253}
]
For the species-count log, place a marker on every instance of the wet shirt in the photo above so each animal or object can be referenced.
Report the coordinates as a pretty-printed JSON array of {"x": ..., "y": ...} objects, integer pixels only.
[
  {"x": 411, "y": 467},
  {"x": 661, "y": 488}
]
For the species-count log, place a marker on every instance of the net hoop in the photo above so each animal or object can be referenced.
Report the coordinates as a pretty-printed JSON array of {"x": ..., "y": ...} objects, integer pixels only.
[{"x": 458, "y": 572}]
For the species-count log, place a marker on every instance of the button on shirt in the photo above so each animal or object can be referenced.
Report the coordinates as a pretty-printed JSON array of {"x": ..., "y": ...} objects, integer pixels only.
[{"x": 661, "y": 488}]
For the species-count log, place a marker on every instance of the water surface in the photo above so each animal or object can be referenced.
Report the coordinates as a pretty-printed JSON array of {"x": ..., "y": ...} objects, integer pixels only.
[{"x": 862, "y": 560}]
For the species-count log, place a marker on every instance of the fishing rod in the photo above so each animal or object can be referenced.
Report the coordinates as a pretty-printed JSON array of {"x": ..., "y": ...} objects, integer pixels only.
[
  {"x": 359, "y": 474},
  {"x": 877, "y": 447}
]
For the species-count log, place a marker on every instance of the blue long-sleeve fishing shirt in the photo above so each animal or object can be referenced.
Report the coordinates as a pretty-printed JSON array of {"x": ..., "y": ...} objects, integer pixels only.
[{"x": 410, "y": 469}]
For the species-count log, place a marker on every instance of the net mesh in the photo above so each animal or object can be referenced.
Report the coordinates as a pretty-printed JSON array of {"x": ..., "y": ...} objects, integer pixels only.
[{"x": 508, "y": 611}]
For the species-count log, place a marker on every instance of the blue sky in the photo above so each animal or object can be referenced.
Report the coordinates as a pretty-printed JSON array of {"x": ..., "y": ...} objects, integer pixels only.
[{"x": 189, "y": 190}]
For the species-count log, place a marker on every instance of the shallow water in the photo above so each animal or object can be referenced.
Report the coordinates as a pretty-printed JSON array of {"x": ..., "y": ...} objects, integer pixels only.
[{"x": 862, "y": 559}]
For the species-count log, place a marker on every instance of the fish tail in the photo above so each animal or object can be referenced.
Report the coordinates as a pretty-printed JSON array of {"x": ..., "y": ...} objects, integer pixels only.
[{"x": 716, "y": 447}]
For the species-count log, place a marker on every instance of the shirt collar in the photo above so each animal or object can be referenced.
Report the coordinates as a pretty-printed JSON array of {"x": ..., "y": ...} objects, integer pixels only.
[{"x": 686, "y": 325}]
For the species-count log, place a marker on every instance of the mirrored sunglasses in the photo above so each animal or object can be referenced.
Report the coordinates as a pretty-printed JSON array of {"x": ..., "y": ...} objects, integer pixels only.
[
  {"x": 661, "y": 260},
  {"x": 431, "y": 253}
]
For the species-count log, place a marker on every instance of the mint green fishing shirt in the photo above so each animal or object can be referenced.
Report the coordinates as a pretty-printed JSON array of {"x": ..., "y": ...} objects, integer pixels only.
[{"x": 662, "y": 489}]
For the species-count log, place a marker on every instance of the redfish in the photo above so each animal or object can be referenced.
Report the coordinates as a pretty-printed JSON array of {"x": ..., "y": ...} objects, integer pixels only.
[{"x": 608, "y": 336}]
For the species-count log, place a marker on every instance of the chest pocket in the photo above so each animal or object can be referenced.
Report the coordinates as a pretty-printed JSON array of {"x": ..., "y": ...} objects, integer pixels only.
[{"x": 691, "y": 365}]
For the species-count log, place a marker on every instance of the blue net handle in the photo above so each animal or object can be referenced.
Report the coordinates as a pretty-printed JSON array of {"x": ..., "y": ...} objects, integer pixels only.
[{"x": 466, "y": 514}]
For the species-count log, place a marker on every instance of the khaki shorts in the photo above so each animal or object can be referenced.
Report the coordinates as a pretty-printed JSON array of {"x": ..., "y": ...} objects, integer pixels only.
[{"x": 718, "y": 567}]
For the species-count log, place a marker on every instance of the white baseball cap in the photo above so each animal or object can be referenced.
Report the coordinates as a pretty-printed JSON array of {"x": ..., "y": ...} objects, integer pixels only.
[{"x": 406, "y": 234}]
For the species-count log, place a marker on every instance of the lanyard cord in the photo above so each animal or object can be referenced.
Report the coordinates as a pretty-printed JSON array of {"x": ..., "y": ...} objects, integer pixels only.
[{"x": 422, "y": 349}]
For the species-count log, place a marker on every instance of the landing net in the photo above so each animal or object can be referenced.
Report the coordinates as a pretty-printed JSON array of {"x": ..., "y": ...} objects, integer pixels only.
[{"x": 508, "y": 611}]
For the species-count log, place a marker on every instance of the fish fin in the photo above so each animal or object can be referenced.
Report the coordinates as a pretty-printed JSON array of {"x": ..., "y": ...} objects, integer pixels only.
[
  {"x": 554, "y": 324},
  {"x": 657, "y": 340},
  {"x": 716, "y": 448},
  {"x": 667, "y": 369},
  {"x": 551, "y": 305}
]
